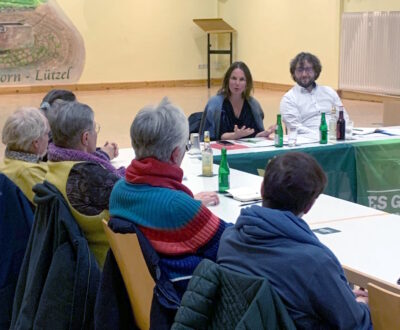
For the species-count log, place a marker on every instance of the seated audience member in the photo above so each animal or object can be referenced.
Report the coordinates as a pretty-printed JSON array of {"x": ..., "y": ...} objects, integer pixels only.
[
  {"x": 180, "y": 228},
  {"x": 303, "y": 104},
  {"x": 56, "y": 94},
  {"x": 108, "y": 151},
  {"x": 233, "y": 114},
  {"x": 25, "y": 134},
  {"x": 273, "y": 241},
  {"x": 84, "y": 179}
]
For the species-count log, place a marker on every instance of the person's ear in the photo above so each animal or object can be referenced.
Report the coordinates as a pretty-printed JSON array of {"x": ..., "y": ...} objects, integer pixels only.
[
  {"x": 85, "y": 138},
  {"x": 175, "y": 156},
  {"x": 35, "y": 146}
]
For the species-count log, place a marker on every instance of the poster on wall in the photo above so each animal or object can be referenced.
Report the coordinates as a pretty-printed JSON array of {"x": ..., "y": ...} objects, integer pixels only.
[{"x": 39, "y": 45}]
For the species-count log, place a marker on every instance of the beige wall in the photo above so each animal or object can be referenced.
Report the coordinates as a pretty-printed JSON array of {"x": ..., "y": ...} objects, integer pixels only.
[
  {"x": 136, "y": 40},
  {"x": 156, "y": 40},
  {"x": 271, "y": 33},
  {"x": 370, "y": 5}
]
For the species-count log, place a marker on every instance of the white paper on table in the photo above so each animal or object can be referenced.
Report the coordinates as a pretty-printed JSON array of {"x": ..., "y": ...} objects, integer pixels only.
[
  {"x": 255, "y": 142},
  {"x": 300, "y": 140},
  {"x": 244, "y": 194}
]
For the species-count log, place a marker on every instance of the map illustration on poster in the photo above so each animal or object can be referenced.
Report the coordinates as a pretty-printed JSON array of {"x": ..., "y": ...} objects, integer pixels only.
[{"x": 39, "y": 45}]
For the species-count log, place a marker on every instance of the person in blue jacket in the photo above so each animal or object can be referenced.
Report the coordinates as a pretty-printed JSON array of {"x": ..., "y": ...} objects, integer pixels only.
[
  {"x": 274, "y": 242},
  {"x": 234, "y": 114}
]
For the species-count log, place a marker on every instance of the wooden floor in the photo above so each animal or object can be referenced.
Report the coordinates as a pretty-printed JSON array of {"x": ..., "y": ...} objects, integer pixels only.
[{"x": 115, "y": 109}]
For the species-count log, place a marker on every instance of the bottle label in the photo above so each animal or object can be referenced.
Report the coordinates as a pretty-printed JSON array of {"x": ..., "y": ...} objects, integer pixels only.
[
  {"x": 207, "y": 164},
  {"x": 278, "y": 140}
]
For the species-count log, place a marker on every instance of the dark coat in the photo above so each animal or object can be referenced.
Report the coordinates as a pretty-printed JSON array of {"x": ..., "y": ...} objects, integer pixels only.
[
  {"x": 16, "y": 218},
  {"x": 279, "y": 246},
  {"x": 59, "y": 276},
  {"x": 218, "y": 298},
  {"x": 113, "y": 310}
]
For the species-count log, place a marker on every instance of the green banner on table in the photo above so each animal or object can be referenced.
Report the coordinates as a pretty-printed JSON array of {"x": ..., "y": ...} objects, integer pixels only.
[
  {"x": 378, "y": 175},
  {"x": 337, "y": 161}
]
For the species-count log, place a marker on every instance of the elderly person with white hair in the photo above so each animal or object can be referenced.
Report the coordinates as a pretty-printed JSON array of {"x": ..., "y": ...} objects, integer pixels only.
[
  {"x": 107, "y": 152},
  {"x": 25, "y": 134},
  {"x": 181, "y": 229},
  {"x": 84, "y": 179}
]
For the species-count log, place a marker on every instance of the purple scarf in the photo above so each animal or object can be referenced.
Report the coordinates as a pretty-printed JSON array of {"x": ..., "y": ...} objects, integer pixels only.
[{"x": 57, "y": 154}]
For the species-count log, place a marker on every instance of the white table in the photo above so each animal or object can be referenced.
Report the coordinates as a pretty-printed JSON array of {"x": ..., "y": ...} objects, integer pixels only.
[
  {"x": 369, "y": 245},
  {"x": 368, "y": 240}
]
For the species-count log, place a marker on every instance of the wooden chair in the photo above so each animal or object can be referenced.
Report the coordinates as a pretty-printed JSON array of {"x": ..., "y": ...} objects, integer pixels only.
[
  {"x": 385, "y": 308},
  {"x": 137, "y": 278}
]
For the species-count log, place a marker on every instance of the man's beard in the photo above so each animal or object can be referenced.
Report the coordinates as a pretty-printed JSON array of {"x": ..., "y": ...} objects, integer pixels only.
[{"x": 306, "y": 85}]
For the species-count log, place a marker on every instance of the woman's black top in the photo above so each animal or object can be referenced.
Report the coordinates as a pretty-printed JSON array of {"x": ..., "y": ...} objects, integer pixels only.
[{"x": 228, "y": 119}]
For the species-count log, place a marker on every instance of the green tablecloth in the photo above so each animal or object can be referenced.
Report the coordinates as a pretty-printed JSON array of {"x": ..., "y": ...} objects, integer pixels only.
[
  {"x": 364, "y": 172},
  {"x": 378, "y": 174}
]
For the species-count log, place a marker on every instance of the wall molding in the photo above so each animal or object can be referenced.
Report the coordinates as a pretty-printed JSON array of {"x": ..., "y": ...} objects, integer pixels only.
[
  {"x": 345, "y": 94},
  {"x": 108, "y": 86},
  {"x": 370, "y": 97}
]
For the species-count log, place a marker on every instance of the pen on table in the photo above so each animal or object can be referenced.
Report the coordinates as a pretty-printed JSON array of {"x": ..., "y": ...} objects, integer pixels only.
[{"x": 250, "y": 203}]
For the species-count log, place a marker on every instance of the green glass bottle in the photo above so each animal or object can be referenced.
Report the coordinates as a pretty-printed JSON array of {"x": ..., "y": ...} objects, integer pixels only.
[
  {"x": 323, "y": 130},
  {"x": 278, "y": 132},
  {"x": 223, "y": 173}
]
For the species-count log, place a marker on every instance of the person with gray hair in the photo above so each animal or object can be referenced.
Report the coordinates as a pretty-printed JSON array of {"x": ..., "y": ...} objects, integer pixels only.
[
  {"x": 84, "y": 179},
  {"x": 303, "y": 104},
  {"x": 180, "y": 227},
  {"x": 108, "y": 151},
  {"x": 25, "y": 134}
]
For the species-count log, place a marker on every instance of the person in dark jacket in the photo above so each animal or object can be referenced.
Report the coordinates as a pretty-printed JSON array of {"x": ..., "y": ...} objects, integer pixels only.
[{"x": 274, "y": 242}]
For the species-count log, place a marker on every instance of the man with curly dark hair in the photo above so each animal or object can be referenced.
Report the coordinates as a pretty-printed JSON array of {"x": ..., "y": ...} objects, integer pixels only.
[{"x": 302, "y": 105}]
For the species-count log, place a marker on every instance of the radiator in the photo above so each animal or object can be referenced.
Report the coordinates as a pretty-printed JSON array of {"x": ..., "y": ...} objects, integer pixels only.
[{"x": 370, "y": 52}]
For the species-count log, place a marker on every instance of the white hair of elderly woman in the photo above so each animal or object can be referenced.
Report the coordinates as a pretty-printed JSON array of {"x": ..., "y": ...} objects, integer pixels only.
[
  {"x": 157, "y": 130},
  {"x": 23, "y": 127}
]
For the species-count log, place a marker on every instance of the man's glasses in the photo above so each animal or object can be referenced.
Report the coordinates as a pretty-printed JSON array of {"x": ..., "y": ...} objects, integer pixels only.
[{"x": 306, "y": 70}]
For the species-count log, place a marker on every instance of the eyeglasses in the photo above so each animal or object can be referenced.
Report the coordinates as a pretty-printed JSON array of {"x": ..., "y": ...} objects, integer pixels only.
[
  {"x": 96, "y": 127},
  {"x": 306, "y": 70}
]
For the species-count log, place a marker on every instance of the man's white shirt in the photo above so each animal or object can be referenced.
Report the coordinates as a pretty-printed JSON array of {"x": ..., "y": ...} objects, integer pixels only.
[{"x": 303, "y": 109}]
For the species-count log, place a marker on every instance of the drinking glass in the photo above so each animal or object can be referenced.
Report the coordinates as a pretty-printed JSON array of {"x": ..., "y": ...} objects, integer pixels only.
[
  {"x": 292, "y": 136},
  {"x": 349, "y": 129},
  {"x": 194, "y": 144}
]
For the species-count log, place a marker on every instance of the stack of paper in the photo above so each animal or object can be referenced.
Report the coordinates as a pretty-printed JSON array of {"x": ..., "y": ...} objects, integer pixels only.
[{"x": 244, "y": 194}]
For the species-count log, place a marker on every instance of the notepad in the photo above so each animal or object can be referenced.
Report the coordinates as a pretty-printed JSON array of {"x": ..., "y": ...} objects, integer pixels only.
[{"x": 244, "y": 194}]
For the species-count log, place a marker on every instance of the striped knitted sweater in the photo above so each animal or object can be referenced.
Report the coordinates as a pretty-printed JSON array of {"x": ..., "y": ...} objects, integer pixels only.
[{"x": 181, "y": 229}]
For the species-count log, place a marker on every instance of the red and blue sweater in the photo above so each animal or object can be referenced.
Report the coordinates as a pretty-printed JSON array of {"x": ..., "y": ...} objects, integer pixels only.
[{"x": 181, "y": 229}]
